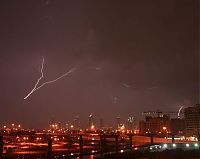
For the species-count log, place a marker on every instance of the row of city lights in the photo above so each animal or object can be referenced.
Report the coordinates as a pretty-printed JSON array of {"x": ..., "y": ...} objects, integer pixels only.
[
  {"x": 165, "y": 146},
  {"x": 12, "y": 126},
  {"x": 186, "y": 145}
]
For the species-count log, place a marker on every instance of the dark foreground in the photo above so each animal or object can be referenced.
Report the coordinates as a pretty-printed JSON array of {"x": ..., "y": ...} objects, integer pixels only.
[{"x": 167, "y": 154}]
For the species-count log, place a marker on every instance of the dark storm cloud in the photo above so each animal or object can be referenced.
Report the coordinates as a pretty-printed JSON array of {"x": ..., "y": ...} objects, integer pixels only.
[{"x": 149, "y": 46}]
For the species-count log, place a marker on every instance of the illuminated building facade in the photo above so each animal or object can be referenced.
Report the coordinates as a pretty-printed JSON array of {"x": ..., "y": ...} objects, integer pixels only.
[
  {"x": 118, "y": 121},
  {"x": 155, "y": 125},
  {"x": 131, "y": 123},
  {"x": 162, "y": 125},
  {"x": 192, "y": 120}
]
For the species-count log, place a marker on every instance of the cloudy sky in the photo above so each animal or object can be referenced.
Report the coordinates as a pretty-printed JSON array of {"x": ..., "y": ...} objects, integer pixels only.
[{"x": 130, "y": 56}]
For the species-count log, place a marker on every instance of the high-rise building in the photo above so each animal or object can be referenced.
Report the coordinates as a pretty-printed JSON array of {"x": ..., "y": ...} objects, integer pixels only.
[
  {"x": 177, "y": 126},
  {"x": 155, "y": 125},
  {"x": 91, "y": 120},
  {"x": 118, "y": 121},
  {"x": 192, "y": 120},
  {"x": 162, "y": 125},
  {"x": 131, "y": 122}
]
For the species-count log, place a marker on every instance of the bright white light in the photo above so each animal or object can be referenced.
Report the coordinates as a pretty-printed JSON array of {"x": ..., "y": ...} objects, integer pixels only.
[
  {"x": 122, "y": 127},
  {"x": 71, "y": 154},
  {"x": 72, "y": 126},
  {"x": 192, "y": 138},
  {"x": 92, "y": 127},
  {"x": 196, "y": 145},
  {"x": 165, "y": 146},
  {"x": 187, "y": 145},
  {"x": 122, "y": 151},
  {"x": 36, "y": 87},
  {"x": 174, "y": 145}
]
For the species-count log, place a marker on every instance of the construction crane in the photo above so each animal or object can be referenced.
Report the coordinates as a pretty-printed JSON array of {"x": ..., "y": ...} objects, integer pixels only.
[{"x": 161, "y": 113}]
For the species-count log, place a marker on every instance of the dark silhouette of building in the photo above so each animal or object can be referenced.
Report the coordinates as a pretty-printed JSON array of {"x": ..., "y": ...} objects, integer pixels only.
[
  {"x": 177, "y": 126},
  {"x": 160, "y": 123},
  {"x": 155, "y": 125},
  {"x": 192, "y": 120}
]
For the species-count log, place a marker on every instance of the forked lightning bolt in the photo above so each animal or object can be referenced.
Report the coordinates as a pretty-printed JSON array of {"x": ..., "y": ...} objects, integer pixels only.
[
  {"x": 36, "y": 87},
  {"x": 179, "y": 111},
  {"x": 42, "y": 75}
]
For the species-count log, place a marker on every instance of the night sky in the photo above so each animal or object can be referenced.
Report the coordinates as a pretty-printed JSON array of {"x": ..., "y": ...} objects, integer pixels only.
[{"x": 131, "y": 56}]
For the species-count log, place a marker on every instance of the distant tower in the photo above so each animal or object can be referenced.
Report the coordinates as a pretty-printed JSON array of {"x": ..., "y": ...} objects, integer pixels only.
[
  {"x": 131, "y": 122},
  {"x": 90, "y": 120},
  {"x": 77, "y": 122},
  {"x": 118, "y": 121}
]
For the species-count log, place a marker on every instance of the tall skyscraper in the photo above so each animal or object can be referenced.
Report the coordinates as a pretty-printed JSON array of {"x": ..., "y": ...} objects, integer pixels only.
[
  {"x": 91, "y": 120},
  {"x": 192, "y": 120},
  {"x": 118, "y": 121}
]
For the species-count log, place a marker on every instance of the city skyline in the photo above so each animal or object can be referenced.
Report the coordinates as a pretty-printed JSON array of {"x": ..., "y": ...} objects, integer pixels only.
[{"x": 129, "y": 57}]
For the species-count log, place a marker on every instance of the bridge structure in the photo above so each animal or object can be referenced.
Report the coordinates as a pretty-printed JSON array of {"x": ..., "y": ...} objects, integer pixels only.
[{"x": 81, "y": 144}]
